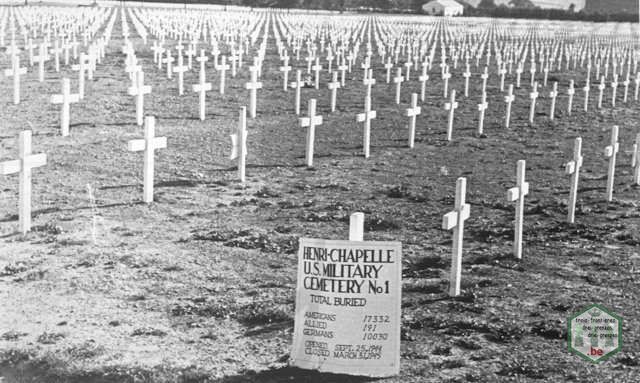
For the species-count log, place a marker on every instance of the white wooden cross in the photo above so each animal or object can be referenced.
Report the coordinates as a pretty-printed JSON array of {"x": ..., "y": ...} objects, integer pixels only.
[
  {"x": 601, "y": 88},
  {"x": 23, "y": 165},
  {"x": 16, "y": 71},
  {"x": 239, "y": 144},
  {"x": 412, "y": 113},
  {"x": 297, "y": 85},
  {"x": 451, "y": 106},
  {"x": 637, "y": 82},
  {"x": 253, "y": 87},
  {"x": 388, "y": 66},
  {"x": 571, "y": 91},
  {"x": 138, "y": 91},
  {"x": 614, "y": 88},
  {"x": 180, "y": 69},
  {"x": 519, "y": 71},
  {"x": 455, "y": 220},
  {"x": 626, "y": 84},
  {"x": 445, "y": 77},
  {"x": 482, "y": 107},
  {"x": 369, "y": 81},
  {"x": 157, "y": 51},
  {"x": 56, "y": 52},
  {"x": 610, "y": 151},
  {"x": 343, "y": 69},
  {"x": 366, "y": 117},
  {"x": 502, "y": 72},
  {"x": 223, "y": 67},
  {"x": 533, "y": 96},
  {"x": 586, "y": 89},
  {"x": 635, "y": 160},
  {"x": 466, "y": 75},
  {"x": 41, "y": 58},
  {"x": 169, "y": 61},
  {"x": 573, "y": 168},
  {"x": 423, "y": 78},
  {"x": 408, "y": 65},
  {"x": 333, "y": 87},
  {"x": 553, "y": 94},
  {"x": 310, "y": 122},
  {"x": 149, "y": 144},
  {"x": 285, "y": 69},
  {"x": 66, "y": 99},
  {"x": 317, "y": 68},
  {"x": 485, "y": 77},
  {"x": 398, "y": 81},
  {"x": 509, "y": 98},
  {"x": 202, "y": 87},
  {"x": 517, "y": 194}
]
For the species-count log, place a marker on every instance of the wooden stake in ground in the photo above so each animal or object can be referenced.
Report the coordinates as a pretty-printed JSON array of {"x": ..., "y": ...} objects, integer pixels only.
[
  {"x": 169, "y": 61},
  {"x": 23, "y": 165},
  {"x": 571, "y": 91},
  {"x": 614, "y": 89},
  {"x": 509, "y": 98},
  {"x": 635, "y": 161},
  {"x": 356, "y": 227},
  {"x": 202, "y": 87},
  {"x": 412, "y": 113},
  {"x": 66, "y": 99},
  {"x": 398, "y": 81},
  {"x": 297, "y": 85},
  {"x": 586, "y": 89},
  {"x": 610, "y": 152},
  {"x": 455, "y": 220},
  {"x": 451, "y": 106},
  {"x": 333, "y": 87},
  {"x": 310, "y": 122},
  {"x": 517, "y": 194},
  {"x": 637, "y": 82},
  {"x": 553, "y": 94},
  {"x": 533, "y": 96},
  {"x": 139, "y": 91},
  {"x": 366, "y": 117},
  {"x": 16, "y": 71},
  {"x": 253, "y": 87},
  {"x": 239, "y": 144},
  {"x": 149, "y": 144},
  {"x": 222, "y": 68},
  {"x": 482, "y": 107},
  {"x": 573, "y": 168}
]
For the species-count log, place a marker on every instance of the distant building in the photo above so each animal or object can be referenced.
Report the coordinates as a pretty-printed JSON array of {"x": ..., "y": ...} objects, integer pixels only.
[{"x": 442, "y": 8}]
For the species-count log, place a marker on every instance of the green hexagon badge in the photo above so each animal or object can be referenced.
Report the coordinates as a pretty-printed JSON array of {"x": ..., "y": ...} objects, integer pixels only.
[{"x": 595, "y": 333}]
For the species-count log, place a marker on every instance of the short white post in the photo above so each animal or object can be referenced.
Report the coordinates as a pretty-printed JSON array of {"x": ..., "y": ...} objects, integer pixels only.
[
  {"x": 635, "y": 161},
  {"x": 239, "y": 144},
  {"x": 356, "y": 227}
]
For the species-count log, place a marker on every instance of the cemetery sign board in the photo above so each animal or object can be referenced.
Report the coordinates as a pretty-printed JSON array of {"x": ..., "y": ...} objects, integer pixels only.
[{"x": 347, "y": 317}]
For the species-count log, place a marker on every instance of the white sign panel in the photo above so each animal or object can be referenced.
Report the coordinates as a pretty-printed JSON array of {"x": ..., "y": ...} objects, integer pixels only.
[{"x": 348, "y": 307}]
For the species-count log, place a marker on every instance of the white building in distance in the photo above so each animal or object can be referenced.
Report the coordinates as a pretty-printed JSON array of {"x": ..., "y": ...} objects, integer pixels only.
[{"x": 442, "y": 8}]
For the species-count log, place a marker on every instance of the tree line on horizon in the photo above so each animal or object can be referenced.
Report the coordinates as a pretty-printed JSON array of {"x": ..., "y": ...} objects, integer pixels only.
[{"x": 520, "y": 9}]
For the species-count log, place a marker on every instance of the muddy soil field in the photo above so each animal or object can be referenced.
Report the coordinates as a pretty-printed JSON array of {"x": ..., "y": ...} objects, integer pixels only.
[{"x": 199, "y": 286}]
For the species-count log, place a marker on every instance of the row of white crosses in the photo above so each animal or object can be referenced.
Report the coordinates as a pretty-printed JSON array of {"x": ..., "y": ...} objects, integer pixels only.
[{"x": 455, "y": 219}]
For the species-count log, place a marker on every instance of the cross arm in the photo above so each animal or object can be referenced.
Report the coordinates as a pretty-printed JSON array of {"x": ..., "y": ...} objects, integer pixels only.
[
  {"x": 136, "y": 145},
  {"x": 9, "y": 167},
  {"x": 35, "y": 160}
]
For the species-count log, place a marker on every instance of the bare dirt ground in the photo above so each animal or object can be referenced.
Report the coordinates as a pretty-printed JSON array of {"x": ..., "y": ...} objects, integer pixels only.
[{"x": 199, "y": 286}]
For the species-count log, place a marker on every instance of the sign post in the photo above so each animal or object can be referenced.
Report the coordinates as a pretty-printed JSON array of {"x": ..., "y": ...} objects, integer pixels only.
[{"x": 347, "y": 317}]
